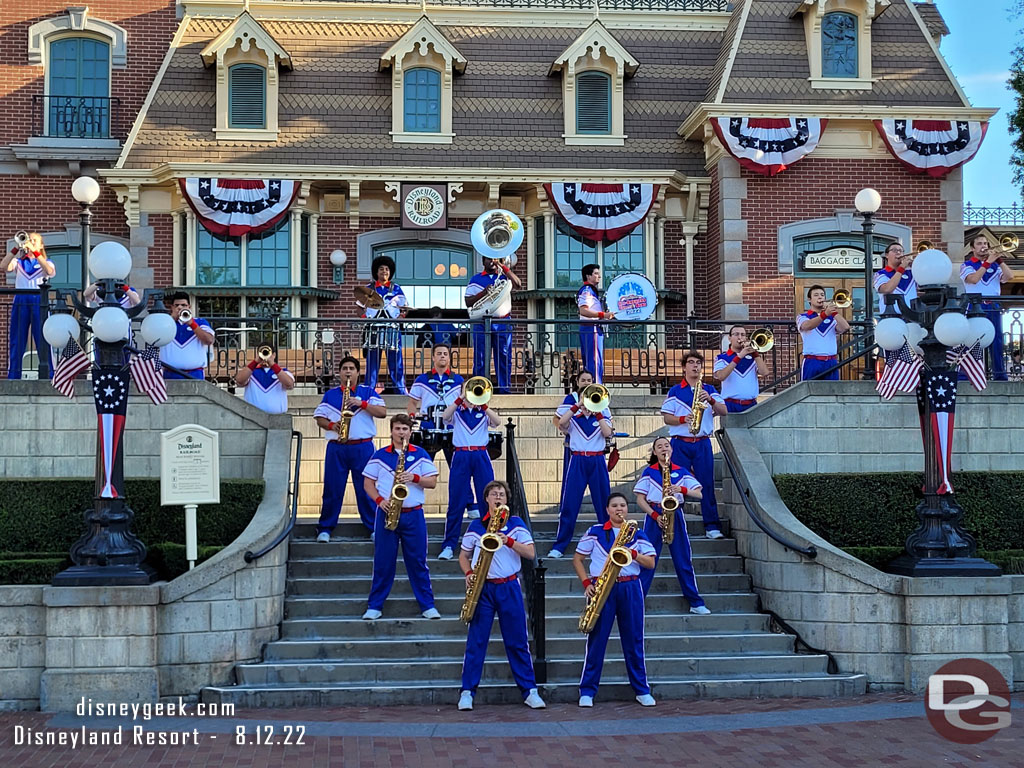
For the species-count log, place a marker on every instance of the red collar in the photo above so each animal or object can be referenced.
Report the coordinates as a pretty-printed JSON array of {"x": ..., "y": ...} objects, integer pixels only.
[
  {"x": 888, "y": 270},
  {"x": 657, "y": 465},
  {"x": 382, "y": 285},
  {"x": 684, "y": 384},
  {"x": 391, "y": 448},
  {"x": 974, "y": 260},
  {"x": 32, "y": 255},
  {"x": 446, "y": 372},
  {"x": 485, "y": 273},
  {"x": 608, "y": 525}
]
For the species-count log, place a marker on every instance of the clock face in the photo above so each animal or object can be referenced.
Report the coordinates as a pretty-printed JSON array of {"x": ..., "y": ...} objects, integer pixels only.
[{"x": 424, "y": 206}]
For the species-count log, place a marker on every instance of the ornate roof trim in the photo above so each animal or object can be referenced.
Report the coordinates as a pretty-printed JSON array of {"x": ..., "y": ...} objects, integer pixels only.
[
  {"x": 246, "y": 30},
  {"x": 875, "y": 8},
  {"x": 734, "y": 46},
  {"x": 423, "y": 36},
  {"x": 591, "y": 42}
]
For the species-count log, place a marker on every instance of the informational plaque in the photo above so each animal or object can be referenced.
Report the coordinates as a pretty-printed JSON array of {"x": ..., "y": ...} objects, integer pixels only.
[
  {"x": 189, "y": 466},
  {"x": 424, "y": 206}
]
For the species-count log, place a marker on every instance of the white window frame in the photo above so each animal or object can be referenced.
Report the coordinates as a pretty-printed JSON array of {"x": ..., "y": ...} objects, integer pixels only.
[{"x": 814, "y": 12}]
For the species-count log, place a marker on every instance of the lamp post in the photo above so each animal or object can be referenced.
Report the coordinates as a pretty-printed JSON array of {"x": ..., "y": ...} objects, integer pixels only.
[
  {"x": 867, "y": 202},
  {"x": 938, "y": 546},
  {"x": 85, "y": 190}
]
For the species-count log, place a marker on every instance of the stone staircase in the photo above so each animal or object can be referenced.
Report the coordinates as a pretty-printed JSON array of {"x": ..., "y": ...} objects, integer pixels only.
[{"x": 328, "y": 656}]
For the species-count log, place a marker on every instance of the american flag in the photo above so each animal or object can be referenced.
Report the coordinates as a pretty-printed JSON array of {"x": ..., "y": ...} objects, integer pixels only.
[
  {"x": 902, "y": 372},
  {"x": 110, "y": 390},
  {"x": 72, "y": 362},
  {"x": 147, "y": 376},
  {"x": 971, "y": 363},
  {"x": 936, "y": 402}
]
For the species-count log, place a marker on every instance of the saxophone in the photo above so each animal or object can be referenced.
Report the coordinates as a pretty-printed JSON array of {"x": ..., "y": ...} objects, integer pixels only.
[
  {"x": 345, "y": 419},
  {"x": 490, "y": 543},
  {"x": 618, "y": 558},
  {"x": 669, "y": 504},
  {"x": 696, "y": 413},
  {"x": 399, "y": 493}
]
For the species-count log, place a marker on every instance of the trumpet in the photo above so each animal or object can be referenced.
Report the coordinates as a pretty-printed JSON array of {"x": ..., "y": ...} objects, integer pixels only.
[
  {"x": 185, "y": 317},
  {"x": 264, "y": 353},
  {"x": 21, "y": 239},
  {"x": 842, "y": 298},
  {"x": 595, "y": 398},
  {"x": 478, "y": 390},
  {"x": 762, "y": 339}
]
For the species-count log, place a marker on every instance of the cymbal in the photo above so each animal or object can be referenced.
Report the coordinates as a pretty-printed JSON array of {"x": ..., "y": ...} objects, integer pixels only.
[{"x": 368, "y": 296}]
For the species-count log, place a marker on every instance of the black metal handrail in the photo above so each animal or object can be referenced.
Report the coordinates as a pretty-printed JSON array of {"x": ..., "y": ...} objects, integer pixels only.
[
  {"x": 842, "y": 361},
  {"x": 76, "y": 117},
  {"x": 778, "y": 624},
  {"x": 533, "y": 569},
  {"x": 43, "y": 293},
  {"x": 810, "y": 551},
  {"x": 293, "y": 495}
]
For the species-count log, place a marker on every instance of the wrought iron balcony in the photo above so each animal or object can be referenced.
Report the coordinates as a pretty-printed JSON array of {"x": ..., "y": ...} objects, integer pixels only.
[
  {"x": 76, "y": 117},
  {"x": 976, "y": 216}
]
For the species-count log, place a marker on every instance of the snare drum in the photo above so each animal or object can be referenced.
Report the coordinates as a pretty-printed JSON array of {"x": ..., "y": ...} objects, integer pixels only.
[
  {"x": 432, "y": 440},
  {"x": 495, "y": 440},
  {"x": 384, "y": 336}
]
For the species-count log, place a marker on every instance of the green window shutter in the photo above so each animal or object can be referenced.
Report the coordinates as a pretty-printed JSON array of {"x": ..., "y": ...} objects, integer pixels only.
[
  {"x": 247, "y": 96},
  {"x": 593, "y": 102}
]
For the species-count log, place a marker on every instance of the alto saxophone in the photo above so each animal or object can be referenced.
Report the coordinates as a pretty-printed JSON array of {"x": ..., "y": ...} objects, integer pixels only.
[
  {"x": 696, "y": 413},
  {"x": 669, "y": 504},
  {"x": 618, "y": 558},
  {"x": 399, "y": 493},
  {"x": 490, "y": 543},
  {"x": 345, "y": 419}
]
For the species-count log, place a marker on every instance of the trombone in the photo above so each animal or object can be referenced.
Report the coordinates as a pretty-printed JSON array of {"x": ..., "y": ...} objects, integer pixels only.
[
  {"x": 842, "y": 298},
  {"x": 762, "y": 340},
  {"x": 1007, "y": 244},
  {"x": 479, "y": 390},
  {"x": 595, "y": 398}
]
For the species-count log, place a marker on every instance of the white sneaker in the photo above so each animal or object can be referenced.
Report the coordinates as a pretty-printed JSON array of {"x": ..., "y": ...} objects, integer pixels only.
[
  {"x": 372, "y": 615},
  {"x": 373, "y": 536},
  {"x": 534, "y": 701},
  {"x": 586, "y": 701},
  {"x": 715, "y": 534},
  {"x": 646, "y": 700},
  {"x": 466, "y": 701},
  {"x": 323, "y": 537},
  {"x": 556, "y": 554},
  {"x": 700, "y": 610},
  {"x": 446, "y": 554},
  {"x": 473, "y": 514},
  {"x": 431, "y": 613}
]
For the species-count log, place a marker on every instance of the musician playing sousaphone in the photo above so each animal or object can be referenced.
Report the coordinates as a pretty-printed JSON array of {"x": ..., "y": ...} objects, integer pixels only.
[{"x": 383, "y": 336}]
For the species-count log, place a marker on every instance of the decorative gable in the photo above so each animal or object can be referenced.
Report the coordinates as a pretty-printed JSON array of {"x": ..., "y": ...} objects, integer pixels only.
[
  {"x": 423, "y": 38},
  {"x": 857, "y": 15},
  {"x": 245, "y": 32}
]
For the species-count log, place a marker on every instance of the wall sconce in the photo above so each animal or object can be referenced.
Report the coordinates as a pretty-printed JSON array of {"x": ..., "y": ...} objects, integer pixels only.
[{"x": 338, "y": 259}]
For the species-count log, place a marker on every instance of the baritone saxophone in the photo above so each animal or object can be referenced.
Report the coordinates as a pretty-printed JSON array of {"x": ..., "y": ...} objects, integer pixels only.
[
  {"x": 618, "y": 558},
  {"x": 490, "y": 543}
]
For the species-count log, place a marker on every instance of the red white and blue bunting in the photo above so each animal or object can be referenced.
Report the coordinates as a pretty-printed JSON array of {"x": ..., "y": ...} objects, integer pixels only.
[
  {"x": 934, "y": 147},
  {"x": 602, "y": 212},
  {"x": 769, "y": 145},
  {"x": 236, "y": 207}
]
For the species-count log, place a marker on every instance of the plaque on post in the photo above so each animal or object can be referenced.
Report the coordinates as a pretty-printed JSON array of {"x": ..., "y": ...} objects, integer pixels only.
[{"x": 190, "y": 475}]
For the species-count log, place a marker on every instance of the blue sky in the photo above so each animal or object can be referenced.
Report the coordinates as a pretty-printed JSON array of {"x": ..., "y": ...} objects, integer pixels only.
[{"x": 979, "y": 51}]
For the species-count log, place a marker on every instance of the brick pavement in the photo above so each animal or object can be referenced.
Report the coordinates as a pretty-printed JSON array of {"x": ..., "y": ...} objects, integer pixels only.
[{"x": 873, "y": 730}]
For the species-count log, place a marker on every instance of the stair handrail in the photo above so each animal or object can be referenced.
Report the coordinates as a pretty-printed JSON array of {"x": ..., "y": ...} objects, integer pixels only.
[
  {"x": 293, "y": 495},
  {"x": 533, "y": 569}
]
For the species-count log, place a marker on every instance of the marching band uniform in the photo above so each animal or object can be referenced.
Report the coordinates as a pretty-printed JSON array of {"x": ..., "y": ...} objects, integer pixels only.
[
  {"x": 264, "y": 390},
  {"x": 349, "y": 457},
  {"x": 411, "y": 531},
  {"x": 587, "y": 468},
  {"x": 187, "y": 352},
  {"x": 470, "y": 464},
  {"x": 740, "y": 388},
  {"x": 29, "y": 273},
  {"x": 625, "y": 603},
  {"x": 821, "y": 349},
  {"x": 591, "y": 334},
  {"x": 906, "y": 287},
  {"x": 435, "y": 392},
  {"x": 501, "y": 595},
  {"x": 988, "y": 286},
  {"x": 650, "y": 485},
  {"x": 501, "y": 334},
  {"x": 693, "y": 452},
  {"x": 394, "y": 299}
]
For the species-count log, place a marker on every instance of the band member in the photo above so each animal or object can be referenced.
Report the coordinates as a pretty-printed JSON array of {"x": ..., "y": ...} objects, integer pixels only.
[
  {"x": 501, "y": 333},
  {"x": 501, "y": 595},
  {"x": 379, "y": 478},
  {"x": 692, "y": 451},
  {"x": 190, "y": 350},
  {"x": 592, "y": 334},
  {"x": 30, "y": 267},
  {"x": 649, "y": 491},
  {"x": 383, "y": 269},
  {"x": 471, "y": 466},
  {"x": 895, "y": 277},
  {"x": 126, "y": 295},
  {"x": 980, "y": 275},
  {"x": 582, "y": 380},
  {"x": 738, "y": 368},
  {"x": 433, "y": 392},
  {"x": 625, "y": 603},
  {"x": 266, "y": 384},
  {"x": 349, "y": 456},
  {"x": 818, "y": 328},
  {"x": 588, "y": 468}
]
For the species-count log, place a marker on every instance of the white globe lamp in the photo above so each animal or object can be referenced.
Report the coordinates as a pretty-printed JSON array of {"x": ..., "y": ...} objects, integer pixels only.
[
  {"x": 111, "y": 324},
  {"x": 86, "y": 190},
  {"x": 338, "y": 257},
  {"x": 110, "y": 261},
  {"x": 890, "y": 333},
  {"x": 981, "y": 330},
  {"x": 59, "y": 329},
  {"x": 158, "y": 329},
  {"x": 932, "y": 267},
  {"x": 951, "y": 329},
  {"x": 868, "y": 201}
]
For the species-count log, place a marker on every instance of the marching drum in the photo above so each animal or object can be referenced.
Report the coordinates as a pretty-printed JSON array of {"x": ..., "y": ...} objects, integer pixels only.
[
  {"x": 632, "y": 297},
  {"x": 383, "y": 336}
]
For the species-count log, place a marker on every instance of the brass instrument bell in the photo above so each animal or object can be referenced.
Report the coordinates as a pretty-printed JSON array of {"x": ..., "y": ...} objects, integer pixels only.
[
  {"x": 842, "y": 298},
  {"x": 762, "y": 339},
  {"x": 595, "y": 398},
  {"x": 478, "y": 390},
  {"x": 1007, "y": 243},
  {"x": 264, "y": 353},
  {"x": 497, "y": 230},
  {"x": 185, "y": 316},
  {"x": 21, "y": 239},
  {"x": 925, "y": 245}
]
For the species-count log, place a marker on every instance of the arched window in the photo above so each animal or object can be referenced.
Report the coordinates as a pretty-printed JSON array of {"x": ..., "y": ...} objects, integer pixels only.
[
  {"x": 593, "y": 102},
  {"x": 78, "y": 94},
  {"x": 422, "y": 100},
  {"x": 839, "y": 45},
  {"x": 247, "y": 96}
]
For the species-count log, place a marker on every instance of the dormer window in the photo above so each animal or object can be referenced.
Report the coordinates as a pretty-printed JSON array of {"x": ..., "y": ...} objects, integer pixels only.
[
  {"x": 247, "y": 96},
  {"x": 839, "y": 45},
  {"x": 838, "y": 34},
  {"x": 422, "y": 100}
]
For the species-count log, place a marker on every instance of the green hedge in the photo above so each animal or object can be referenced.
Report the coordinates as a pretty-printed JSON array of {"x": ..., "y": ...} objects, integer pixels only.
[{"x": 166, "y": 558}]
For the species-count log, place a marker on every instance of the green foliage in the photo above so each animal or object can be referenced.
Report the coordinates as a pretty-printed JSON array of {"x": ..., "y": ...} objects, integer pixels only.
[
  {"x": 1015, "y": 118},
  {"x": 36, "y": 570},
  {"x": 166, "y": 558}
]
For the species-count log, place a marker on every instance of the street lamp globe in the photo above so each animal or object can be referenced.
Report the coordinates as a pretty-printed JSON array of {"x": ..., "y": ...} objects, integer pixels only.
[
  {"x": 951, "y": 329},
  {"x": 85, "y": 190},
  {"x": 891, "y": 333},
  {"x": 158, "y": 329},
  {"x": 110, "y": 261},
  {"x": 932, "y": 267},
  {"x": 981, "y": 331},
  {"x": 868, "y": 201},
  {"x": 59, "y": 329},
  {"x": 338, "y": 257},
  {"x": 111, "y": 324}
]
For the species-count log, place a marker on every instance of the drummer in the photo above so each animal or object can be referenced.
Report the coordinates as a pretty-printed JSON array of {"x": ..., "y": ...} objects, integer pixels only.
[
  {"x": 430, "y": 395},
  {"x": 387, "y": 336}
]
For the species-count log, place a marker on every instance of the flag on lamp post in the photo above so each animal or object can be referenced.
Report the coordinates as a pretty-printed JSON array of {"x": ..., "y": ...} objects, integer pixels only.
[
  {"x": 110, "y": 391},
  {"x": 936, "y": 404}
]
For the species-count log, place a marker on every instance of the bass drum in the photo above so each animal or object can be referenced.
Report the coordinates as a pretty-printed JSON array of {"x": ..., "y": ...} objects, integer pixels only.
[{"x": 632, "y": 297}]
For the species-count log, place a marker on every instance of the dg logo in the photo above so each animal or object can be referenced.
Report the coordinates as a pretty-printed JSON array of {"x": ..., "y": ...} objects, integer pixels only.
[{"x": 967, "y": 701}]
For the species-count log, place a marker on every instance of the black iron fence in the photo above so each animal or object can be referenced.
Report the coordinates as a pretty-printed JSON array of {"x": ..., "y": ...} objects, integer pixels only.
[
  {"x": 76, "y": 117},
  {"x": 977, "y": 215}
]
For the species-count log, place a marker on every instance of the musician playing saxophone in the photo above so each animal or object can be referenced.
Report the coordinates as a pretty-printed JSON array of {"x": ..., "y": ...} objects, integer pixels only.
[
  {"x": 400, "y": 462},
  {"x": 692, "y": 450},
  {"x": 650, "y": 495},
  {"x": 625, "y": 602},
  {"x": 502, "y": 595},
  {"x": 501, "y": 333}
]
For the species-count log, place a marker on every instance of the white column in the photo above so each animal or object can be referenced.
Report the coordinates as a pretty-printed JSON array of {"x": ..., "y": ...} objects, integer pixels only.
[
  {"x": 314, "y": 251},
  {"x": 190, "y": 248},
  {"x": 689, "y": 234}
]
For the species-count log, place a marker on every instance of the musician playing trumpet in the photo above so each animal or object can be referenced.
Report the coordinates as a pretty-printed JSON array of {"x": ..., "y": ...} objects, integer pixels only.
[
  {"x": 501, "y": 595},
  {"x": 625, "y": 602},
  {"x": 190, "y": 350},
  {"x": 738, "y": 368},
  {"x": 895, "y": 277},
  {"x": 650, "y": 497},
  {"x": 501, "y": 333},
  {"x": 27, "y": 260},
  {"x": 266, "y": 383}
]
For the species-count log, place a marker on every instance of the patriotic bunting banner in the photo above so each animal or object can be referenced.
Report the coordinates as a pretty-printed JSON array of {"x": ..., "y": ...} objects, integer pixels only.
[
  {"x": 769, "y": 145},
  {"x": 934, "y": 147},
  {"x": 236, "y": 207},
  {"x": 602, "y": 212},
  {"x": 110, "y": 391}
]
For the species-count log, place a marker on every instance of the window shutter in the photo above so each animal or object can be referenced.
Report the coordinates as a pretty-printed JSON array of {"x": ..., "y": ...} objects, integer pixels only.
[
  {"x": 247, "y": 96},
  {"x": 593, "y": 103}
]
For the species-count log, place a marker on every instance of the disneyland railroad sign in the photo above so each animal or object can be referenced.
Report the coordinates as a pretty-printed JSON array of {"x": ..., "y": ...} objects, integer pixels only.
[
  {"x": 189, "y": 466},
  {"x": 840, "y": 258},
  {"x": 424, "y": 206}
]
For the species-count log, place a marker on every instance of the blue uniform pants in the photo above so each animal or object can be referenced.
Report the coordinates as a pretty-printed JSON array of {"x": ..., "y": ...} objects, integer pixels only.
[
  {"x": 582, "y": 473},
  {"x": 339, "y": 461},
  {"x": 505, "y": 600},
  {"x": 625, "y": 603},
  {"x": 501, "y": 353},
  {"x": 412, "y": 533},
  {"x": 396, "y": 367},
  {"x": 699, "y": 460},
  {"x": 810, "y": 368},
  {"x": 592, "y": 349},
  {"x": 466, "y": 467},
  {"x": 736, "y": 407},
  {"x": 682, "y": 557},
  {"x": 195, "y": 373},
  {"x": 24, "y": 320},
  {"x": 993, "y": 313}
]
